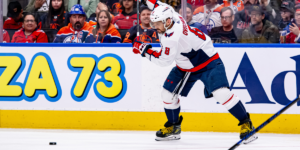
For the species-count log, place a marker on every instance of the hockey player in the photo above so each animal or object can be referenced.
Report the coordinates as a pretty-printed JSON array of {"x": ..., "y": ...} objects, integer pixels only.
[
  {"x": 209, "y": 14},
  {"x": 196, "y": 59},
  {"x": 77, "y": 30},
  {"x": 147, "y": 34}
]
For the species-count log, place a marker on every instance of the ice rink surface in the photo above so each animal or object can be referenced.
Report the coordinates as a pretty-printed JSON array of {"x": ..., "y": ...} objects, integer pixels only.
[{"x": 36, "y": 139}]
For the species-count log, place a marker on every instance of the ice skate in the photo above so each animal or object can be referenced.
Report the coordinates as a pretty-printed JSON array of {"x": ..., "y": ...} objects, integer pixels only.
[
  {"x": 246, "y": 128},
  {"x": 170, "y": 132}
]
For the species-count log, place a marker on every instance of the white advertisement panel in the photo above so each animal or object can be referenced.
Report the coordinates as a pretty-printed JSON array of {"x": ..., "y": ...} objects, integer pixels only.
[
  {"x": 114, "y": 79},
  {"x": 69, "y": 78},
  {"x": 265, "y": 79}
]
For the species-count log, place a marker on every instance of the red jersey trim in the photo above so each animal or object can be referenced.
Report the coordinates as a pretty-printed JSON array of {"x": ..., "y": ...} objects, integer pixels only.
[
  {"x": 201, "y": 66},
  {"x": 228, "y": 100}
]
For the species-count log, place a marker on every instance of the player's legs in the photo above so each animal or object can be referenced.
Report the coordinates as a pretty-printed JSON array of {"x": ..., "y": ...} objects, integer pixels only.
[
  {"x": 172, "y": 128},
  {"x": 233, "y": 104},
  {"x": 171, "y": 103},
  {"x": 216, "y": 85}
]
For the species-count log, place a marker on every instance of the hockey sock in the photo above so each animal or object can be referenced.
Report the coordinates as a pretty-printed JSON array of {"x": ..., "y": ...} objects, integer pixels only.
[
  {"x": 172, "y": 115},
  {"x": 239, "y": 112}
]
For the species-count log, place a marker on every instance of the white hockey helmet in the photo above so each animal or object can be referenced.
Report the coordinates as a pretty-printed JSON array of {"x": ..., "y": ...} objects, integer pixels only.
[{"x": 162, "y": 13}]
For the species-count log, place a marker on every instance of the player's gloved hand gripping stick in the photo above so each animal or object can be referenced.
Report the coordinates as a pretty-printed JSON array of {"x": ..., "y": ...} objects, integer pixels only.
[
  {"x": 265, "y": 123},
  {"x": 141, "y": 48}
]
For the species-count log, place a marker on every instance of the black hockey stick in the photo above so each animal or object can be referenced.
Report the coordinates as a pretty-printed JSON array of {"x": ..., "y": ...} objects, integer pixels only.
[{"x": 265, "y": 123}]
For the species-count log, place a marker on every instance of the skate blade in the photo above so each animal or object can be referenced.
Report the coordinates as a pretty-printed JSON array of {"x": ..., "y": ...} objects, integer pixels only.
[
  {"x": 169, "y": 138},
  {"x": 250, "y": 139}
]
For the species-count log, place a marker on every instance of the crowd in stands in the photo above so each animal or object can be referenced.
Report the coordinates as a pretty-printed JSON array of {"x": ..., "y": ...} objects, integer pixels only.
[{"x": 115, "y": 21}]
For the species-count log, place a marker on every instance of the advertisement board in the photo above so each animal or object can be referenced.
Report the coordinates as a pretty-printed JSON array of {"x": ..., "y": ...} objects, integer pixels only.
[{"x": 75, "y": 83}]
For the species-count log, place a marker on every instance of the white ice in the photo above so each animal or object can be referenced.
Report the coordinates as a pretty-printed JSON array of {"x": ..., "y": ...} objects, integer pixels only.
[{"x": 38, "y": 139}]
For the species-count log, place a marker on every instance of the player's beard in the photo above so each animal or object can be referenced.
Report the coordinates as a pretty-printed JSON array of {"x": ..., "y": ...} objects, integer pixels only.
[
  {"x": 77, "y": 26},
  {"x": 159, "y": 31}
]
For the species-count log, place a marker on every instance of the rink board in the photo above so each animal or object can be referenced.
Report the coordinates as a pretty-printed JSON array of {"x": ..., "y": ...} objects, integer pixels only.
[{"x": 108, "y": 87}]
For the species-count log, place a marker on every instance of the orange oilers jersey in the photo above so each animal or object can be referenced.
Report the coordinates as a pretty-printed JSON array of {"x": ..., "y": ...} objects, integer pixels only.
[
  {"x": 236, "y": 6},
  {"x": 10, "y": 23},
  {"x": 6, "y": 38},
  {"x": 68, "y": 35},
  {"x": 112, "y": 35},
  {"x": 209, "y": 17},
  {"x": 146, "y": 35},
  {"x": 37, "y": 36}
]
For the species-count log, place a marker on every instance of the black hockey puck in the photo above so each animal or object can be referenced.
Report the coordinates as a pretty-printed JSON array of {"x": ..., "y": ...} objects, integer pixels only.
[{"x": 52, "y": 143}]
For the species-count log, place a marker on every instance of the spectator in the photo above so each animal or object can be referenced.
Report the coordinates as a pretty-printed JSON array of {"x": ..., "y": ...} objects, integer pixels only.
[
  {"x": 287, "y": 13},
  {"x": 211, "y": 17},
  {"x": 270, "y": 13},
  {"x": 225, "y": 33},
  {"x": 235, "y": 5},
  {"x": 105, "y": 32},
  {"x": 93, "y": 18},
  {"x": 128, "y": 17},
  {"x": 261, "y": 30},
  {"x": 294, "y": 36},
  {"x": 195, "y": 3},
  {"x": 37, "y": 6},
  {"x": 15, "y": 16},
  {"x": 30, "y": 33},
  {"x": 115, "y": 7},
  {"x": 275, "y": 4},
  {"x": 89, "y": 6},
  {"x": 6, "y": 38},
  {"x": 190, "y": 21},
  {"x": 241, "y": 18},
  {"x": 57, "y": 17},
  {"x": 147, "y": 34},
  {"x": 41, "y": 6},
  {"x": 77, "y": 30}
]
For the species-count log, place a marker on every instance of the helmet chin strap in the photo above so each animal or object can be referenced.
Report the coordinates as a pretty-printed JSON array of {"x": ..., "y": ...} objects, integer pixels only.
[{"x": 169, "y": 24}]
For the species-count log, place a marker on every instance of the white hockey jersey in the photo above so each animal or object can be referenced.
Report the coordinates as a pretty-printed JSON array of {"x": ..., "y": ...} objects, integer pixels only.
[
  {"x": 191, "y": 49},
  {"x": 209, "y": 17}
]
